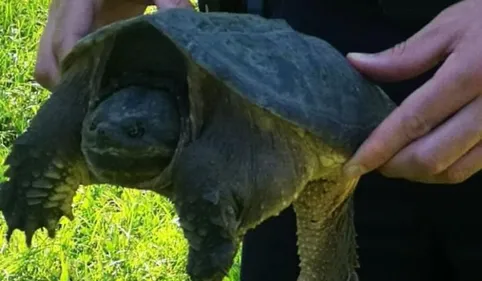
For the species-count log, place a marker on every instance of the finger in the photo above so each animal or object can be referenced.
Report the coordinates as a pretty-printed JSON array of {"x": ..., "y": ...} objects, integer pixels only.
[
  {"x": 451, "y": 88},
  {"x": 74, "y": 21},
  {"x": 437, "y": 151},
  {"x": 461, "y": 170},
  {"x": 464, "y": 168},
  {"x": 406, "y": 60},
  {"x": 46, "y": 69}
]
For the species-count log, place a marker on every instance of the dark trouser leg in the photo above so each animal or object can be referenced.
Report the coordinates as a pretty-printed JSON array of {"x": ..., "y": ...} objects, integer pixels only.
[
  {"x": 395, "y": 231},
  {"x": 270, "y": 252},
  {"x": 458, "y": 219}
]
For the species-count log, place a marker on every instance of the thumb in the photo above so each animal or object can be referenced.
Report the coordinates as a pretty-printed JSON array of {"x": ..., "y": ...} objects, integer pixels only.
[{"x": 408, "y": 59}]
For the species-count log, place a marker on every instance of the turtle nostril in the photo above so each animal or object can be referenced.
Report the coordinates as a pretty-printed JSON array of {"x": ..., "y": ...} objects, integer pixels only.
[
  {"x": 101, "y": 133},
  {"x": 104, "y": 135},
  {"x": 93, "y": 125},
  {"x": 135, "y": 130}
]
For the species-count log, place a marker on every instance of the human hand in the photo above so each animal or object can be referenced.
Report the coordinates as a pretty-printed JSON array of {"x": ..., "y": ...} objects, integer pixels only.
[
  {"x": 435, "y": 135},
  {"x": 71, "y": 20}
]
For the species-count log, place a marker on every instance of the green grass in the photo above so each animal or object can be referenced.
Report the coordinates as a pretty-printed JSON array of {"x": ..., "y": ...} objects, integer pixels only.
[{"x": 117, "y": 234}]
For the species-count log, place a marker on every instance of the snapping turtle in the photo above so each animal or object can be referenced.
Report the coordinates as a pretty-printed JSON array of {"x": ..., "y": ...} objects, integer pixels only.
[{"x": 233, "y": 117}]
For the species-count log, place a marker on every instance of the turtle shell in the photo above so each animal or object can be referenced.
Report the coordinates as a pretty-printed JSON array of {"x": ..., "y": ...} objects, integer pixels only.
[{"x": 300, "y": 78}]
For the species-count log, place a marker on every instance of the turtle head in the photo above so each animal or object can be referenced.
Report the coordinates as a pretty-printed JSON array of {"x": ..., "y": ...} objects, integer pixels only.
[{"x": 131, "y": 136}]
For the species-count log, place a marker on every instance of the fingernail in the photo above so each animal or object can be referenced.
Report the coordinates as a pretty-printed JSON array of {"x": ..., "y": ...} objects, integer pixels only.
[
  {"x": 360, "y": 56},
  {"x": 354, "y": 171}
]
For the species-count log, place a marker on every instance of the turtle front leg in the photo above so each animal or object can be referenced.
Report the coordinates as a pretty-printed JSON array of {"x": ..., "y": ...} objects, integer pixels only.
[
  {"x": 326, "y": 232},
  {"x": 45, "y": 164}
]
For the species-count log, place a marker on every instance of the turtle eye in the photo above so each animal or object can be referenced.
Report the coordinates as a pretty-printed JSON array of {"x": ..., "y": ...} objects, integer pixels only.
[{"x": 136, "y": 130}]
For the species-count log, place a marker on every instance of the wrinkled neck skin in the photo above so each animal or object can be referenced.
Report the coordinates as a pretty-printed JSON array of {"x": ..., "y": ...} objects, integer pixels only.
[
  {"x": 162, "y": 184},
  {"x": 188, "y": 132}
]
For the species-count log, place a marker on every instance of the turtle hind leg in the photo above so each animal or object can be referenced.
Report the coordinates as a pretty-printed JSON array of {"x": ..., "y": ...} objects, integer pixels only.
[{"x": 326, "y": 232}]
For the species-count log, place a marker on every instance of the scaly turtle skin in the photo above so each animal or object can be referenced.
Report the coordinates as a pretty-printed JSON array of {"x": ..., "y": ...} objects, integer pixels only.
[{"x": 231, "y": 116}]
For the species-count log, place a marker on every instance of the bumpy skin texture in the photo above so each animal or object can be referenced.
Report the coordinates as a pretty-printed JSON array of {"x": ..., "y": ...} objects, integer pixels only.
[
  {"x": 267, "y": 119},
  {"x": 45, "y": 164},
  {"x": 326, "y": 234}
]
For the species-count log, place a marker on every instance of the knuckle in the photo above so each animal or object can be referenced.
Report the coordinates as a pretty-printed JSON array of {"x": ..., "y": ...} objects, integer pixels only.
[
  {"x": 376, "y": 150},
  {"x": 427, "y": 165},
  {"x": 414, "y": 126},
  {"x": 40, "y": 75},
  {"x": 455, "y": 176},
  {"x": 388, "y": 173},
  {"x": 398, "y": 49},
  {"x": 57, "y": 44},
  {"x": 43, "y": 76},
  {"x": 463, "y": 77}
]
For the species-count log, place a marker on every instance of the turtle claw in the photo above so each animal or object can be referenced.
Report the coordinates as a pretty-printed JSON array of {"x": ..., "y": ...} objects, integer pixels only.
[
  {"x": 51, "y": 226},
  {"x": 28, "y": 238},
  {"x": 35, "y": 198},
  {"x": 9, "y": 234},
  {"x": 31, "y": 226},
  {"x": 21, "y": 215},
  {"x": 69, "y": 215},
  {"x": 51, "y": 233}
]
